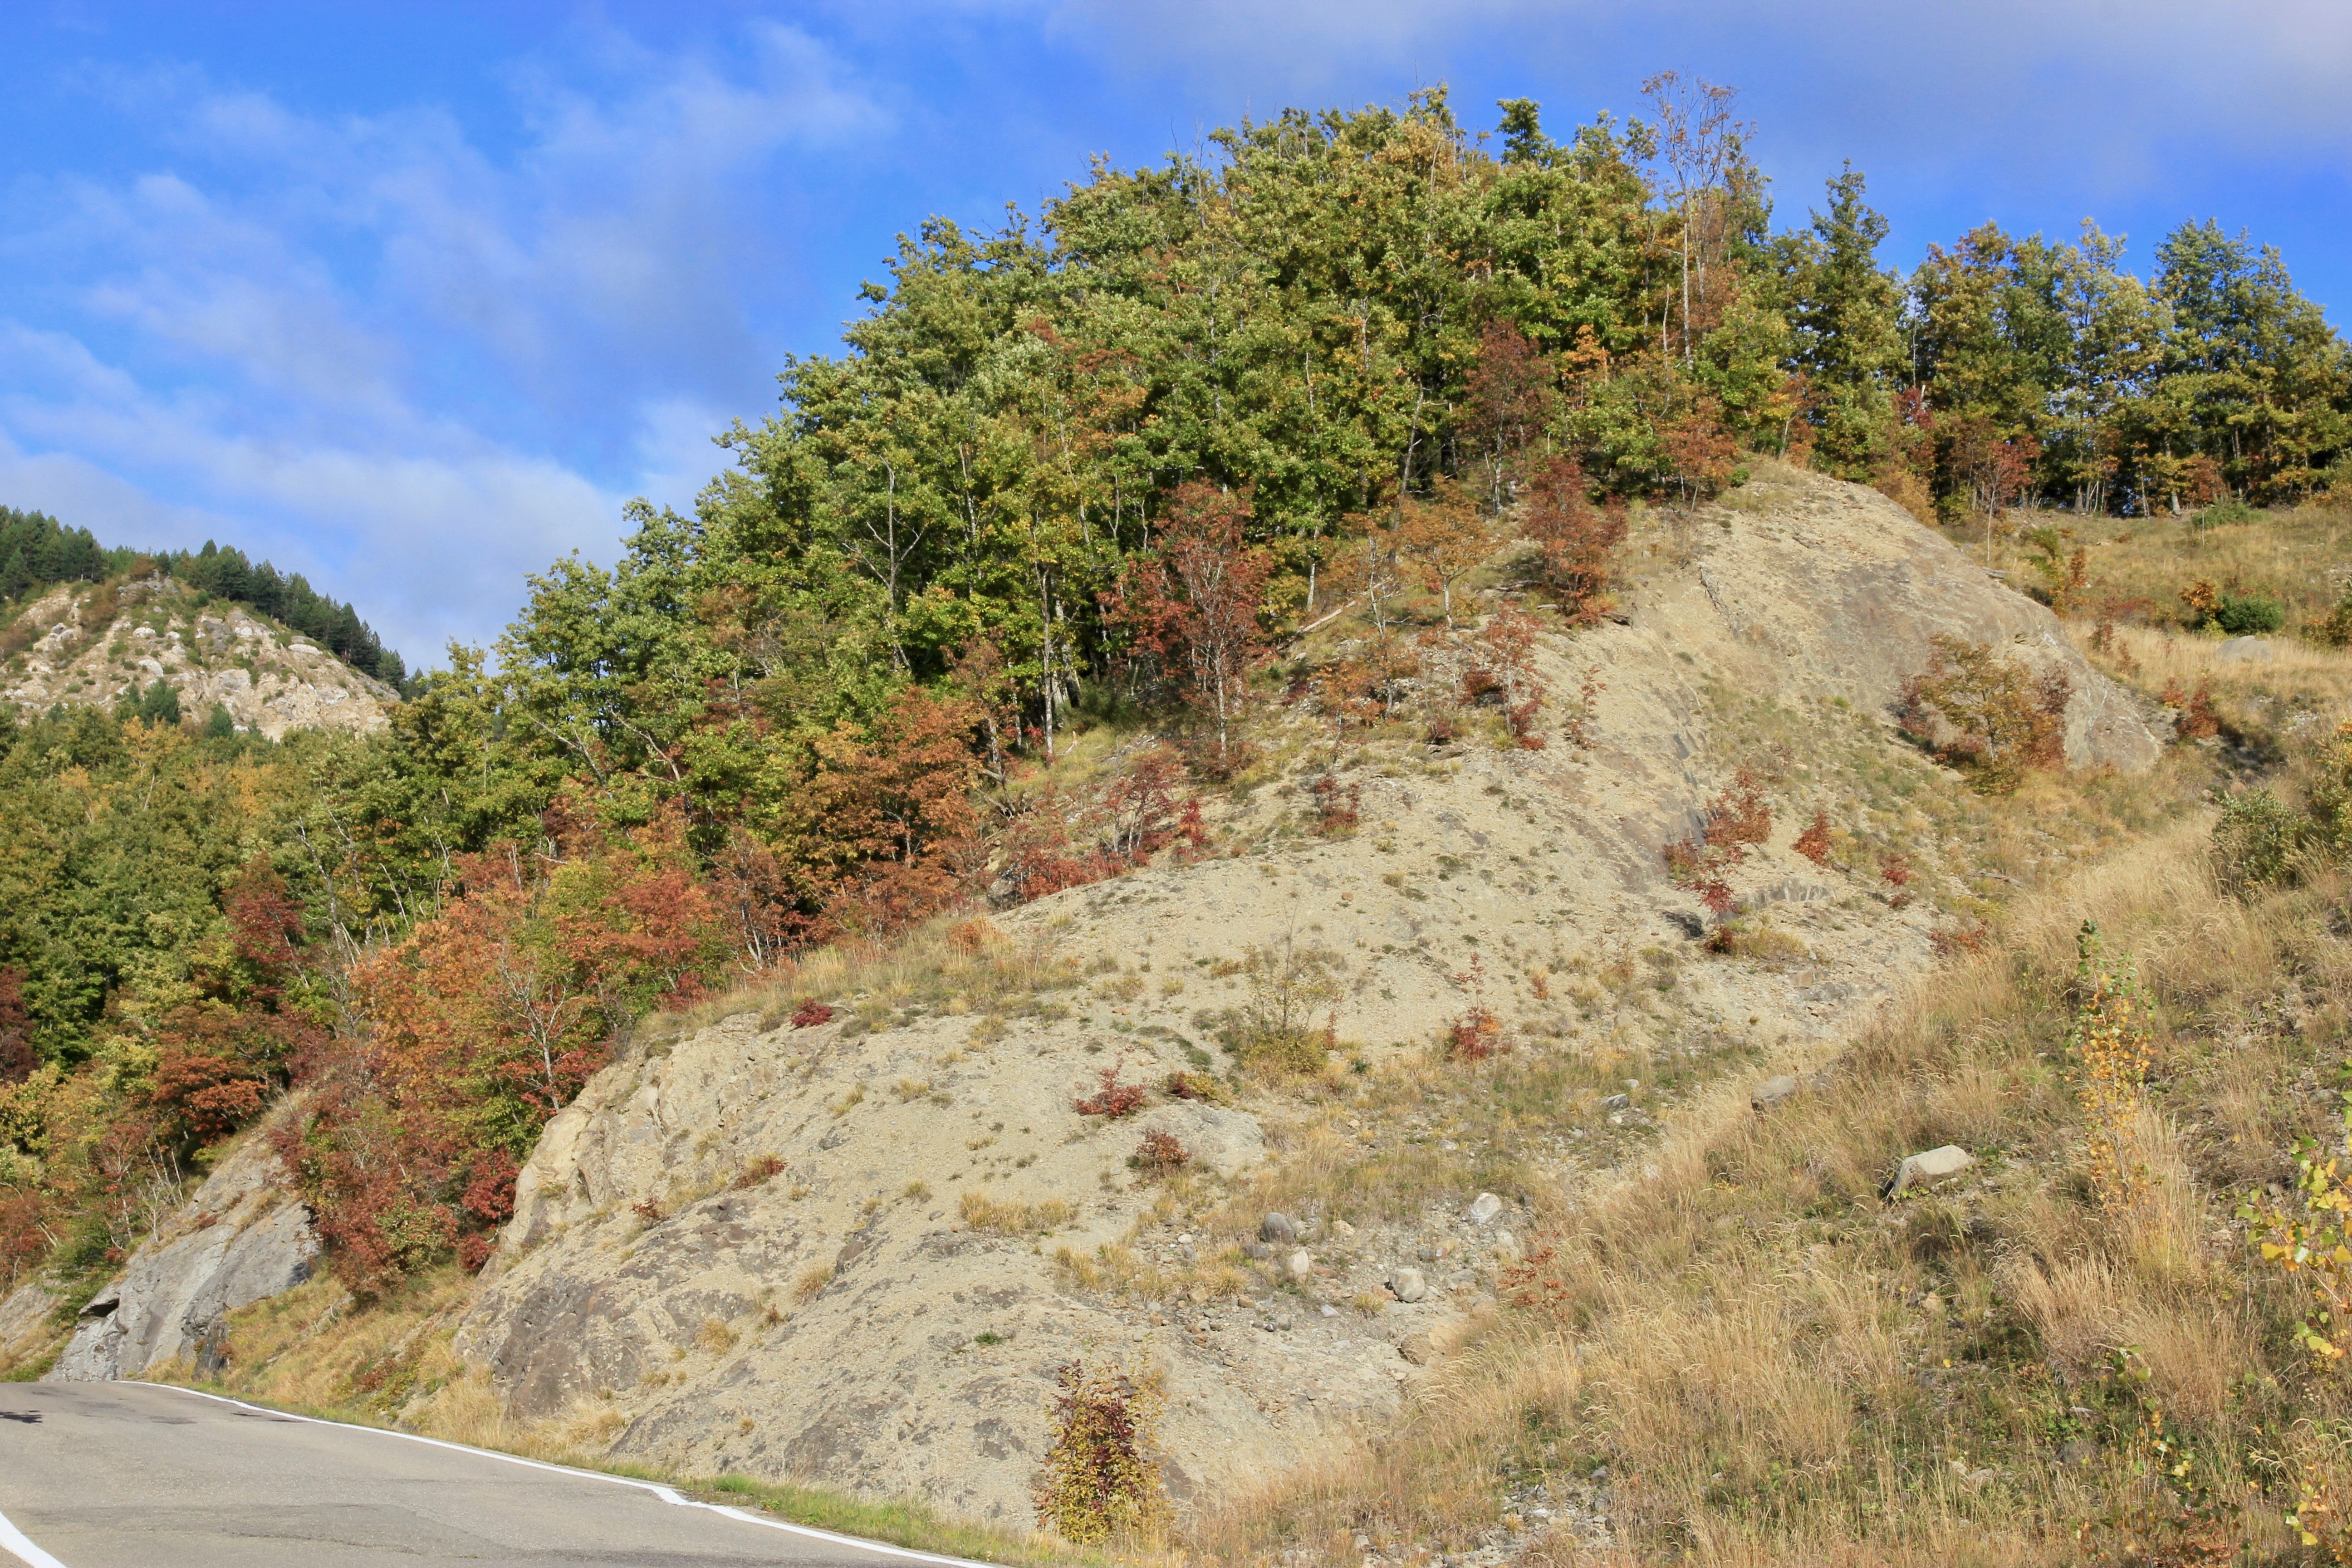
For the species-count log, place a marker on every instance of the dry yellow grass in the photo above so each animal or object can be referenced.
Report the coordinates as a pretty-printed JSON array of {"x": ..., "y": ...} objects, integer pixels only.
[
  {"x": 1010, "y": 1218},
  {"x": 1777, "y": 1368},
  {"x": 2301, "y": 555},
  {"x": 952, "y": 964}
]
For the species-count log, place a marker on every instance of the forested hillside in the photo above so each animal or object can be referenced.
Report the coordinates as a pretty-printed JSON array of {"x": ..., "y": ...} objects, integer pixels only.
[{"x": 1104, "y": 464}]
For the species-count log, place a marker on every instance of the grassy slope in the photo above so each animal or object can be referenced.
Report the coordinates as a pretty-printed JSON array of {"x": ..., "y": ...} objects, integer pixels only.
[{"x": 1759, "y": 1361}]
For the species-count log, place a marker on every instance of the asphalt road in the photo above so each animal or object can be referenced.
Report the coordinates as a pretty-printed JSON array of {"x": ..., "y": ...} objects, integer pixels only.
[{"x": 131, "y": 1475}]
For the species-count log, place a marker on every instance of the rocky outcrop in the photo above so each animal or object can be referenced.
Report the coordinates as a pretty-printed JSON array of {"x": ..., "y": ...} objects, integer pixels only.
[
  {"x": 1819, "y": 588},
  {"x": 790, "y": 1252},
  {"x": 822, "y": 1253},
  {"x": 241, "y": 1239},
  {"x": 271, "y": 681},
  {"x": 26, "y": 1332}
]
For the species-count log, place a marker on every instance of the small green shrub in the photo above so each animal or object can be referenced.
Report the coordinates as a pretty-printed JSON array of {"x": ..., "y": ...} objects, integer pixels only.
[
  {"x": 2222, "y": 513},
  {"x": 2249, "y": 614},
  {"x": 2254, "y": 841},
  {"x": 1275, "y": 1030}
]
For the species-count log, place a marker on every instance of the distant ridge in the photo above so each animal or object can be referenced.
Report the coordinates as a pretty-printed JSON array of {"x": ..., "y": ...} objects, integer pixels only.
[{"x": 37, "y": 551}]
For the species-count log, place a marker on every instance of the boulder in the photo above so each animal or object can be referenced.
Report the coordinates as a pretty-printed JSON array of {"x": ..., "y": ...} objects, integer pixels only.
[
  {"x": 1771, "y": 1091},
  {"x": 1417, "y": 1349},
  {"x": 1930, "y": 1165},
  {"x": 1407, "y": 1285},
  {"x": 1275, "y": 1230},
  {"x": 1486, "y": 1208},
  {"x": 1299, "y": 1266}
]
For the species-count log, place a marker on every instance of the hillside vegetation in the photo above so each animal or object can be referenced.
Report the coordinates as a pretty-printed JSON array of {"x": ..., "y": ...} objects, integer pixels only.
[
  {"x": 1424, "y": 571},
  {"x": 39, "y": 554}
]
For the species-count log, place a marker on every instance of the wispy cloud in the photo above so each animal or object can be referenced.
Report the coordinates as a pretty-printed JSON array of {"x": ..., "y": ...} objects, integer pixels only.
[{"x": 388, "y": 354}]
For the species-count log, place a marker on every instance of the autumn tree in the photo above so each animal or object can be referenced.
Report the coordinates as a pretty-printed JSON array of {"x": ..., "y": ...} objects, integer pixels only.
[
  {"x": 1193, "y": 603},
  {"x": 1508, "y": 401},
  {"x": 16, "y": 1058},
  {"x": 887, "y": 826},
  {"x": 483, "y": 1024},
  {"x": 1699, "y": 143},
  {"x": 1575, "y": 536},
  {"x": 1443, "y": 538}
]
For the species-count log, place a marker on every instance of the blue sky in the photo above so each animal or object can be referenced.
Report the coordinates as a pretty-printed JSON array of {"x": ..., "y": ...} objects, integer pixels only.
[{"x": 412, "y": 297}]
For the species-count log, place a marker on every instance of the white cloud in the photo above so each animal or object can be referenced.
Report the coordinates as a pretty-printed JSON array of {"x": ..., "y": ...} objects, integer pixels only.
[
  {"x": 430, "y": 542},
  {"x": 2051, "y": 85},
  {"x": 378, "y": 351}
]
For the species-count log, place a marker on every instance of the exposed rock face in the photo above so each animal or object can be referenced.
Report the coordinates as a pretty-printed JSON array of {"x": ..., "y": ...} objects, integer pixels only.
[
  {"x": 271, "y": 681},
  {"x": 1829, "y": 589},
  {"x": 829, "y": 1318},
  {"x": 845, "y": 1319},
  {"x": 240, "y": 1239}
]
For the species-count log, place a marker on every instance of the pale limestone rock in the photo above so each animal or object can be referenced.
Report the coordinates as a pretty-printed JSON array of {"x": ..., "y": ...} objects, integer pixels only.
[
  {"x": 1931, "y": 1165},
  {"x": 295, "y": 686},
  {"x": 241, "y": 1239}
]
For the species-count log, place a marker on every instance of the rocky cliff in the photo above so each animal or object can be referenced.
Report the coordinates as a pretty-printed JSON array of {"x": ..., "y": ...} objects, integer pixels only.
[
  {"x": 84, "y": 646},
  {"x": 241, "y": 1239},
  {"x": 859, "y": 1254}
]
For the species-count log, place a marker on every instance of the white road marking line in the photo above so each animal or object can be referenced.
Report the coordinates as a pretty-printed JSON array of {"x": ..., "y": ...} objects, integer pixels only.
[
  {"x": 40, "y": 1559},
  {"x": 12, "y": 1539}
]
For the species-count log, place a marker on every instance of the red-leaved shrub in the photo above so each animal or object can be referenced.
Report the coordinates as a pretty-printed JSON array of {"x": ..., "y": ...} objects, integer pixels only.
[
  {"x": 1814, "y": 843},
  {"x": 1160, "y": 1154},
  {"x": 1113, "y": 1100}
]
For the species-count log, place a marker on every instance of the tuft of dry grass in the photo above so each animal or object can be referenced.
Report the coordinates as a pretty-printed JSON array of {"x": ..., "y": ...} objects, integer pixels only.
[
  {"x": 950, "y": 964},
  {"x": 1009, "y": 1217}
]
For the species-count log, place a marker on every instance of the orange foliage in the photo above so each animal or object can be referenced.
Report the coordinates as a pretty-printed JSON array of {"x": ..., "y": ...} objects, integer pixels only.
[
  {"x": 1059, "y": 842},
  {"x": 1442, "y": 539},
  {"x": 1194, "y": 603},
  {"x": 17, "y": 1061},
  {"x": 887, "y": 826},
  {"x": 1814, "y": 843},
  {"x": 484, "y": 1024},
  {"x": 1113, "y": 1099},
  {"x": 1576, "y": 538}
]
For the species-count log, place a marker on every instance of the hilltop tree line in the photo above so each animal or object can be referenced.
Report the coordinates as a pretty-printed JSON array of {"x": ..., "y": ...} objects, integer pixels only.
[
  {"x": 1103, "y": 458},
  {"x": 37, "y": 551}
]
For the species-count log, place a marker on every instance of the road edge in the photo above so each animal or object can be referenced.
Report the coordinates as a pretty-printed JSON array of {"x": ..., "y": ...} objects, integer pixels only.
[
  {"x": 668, "y": 1494},
  {"x": 17, "y": 1544}
]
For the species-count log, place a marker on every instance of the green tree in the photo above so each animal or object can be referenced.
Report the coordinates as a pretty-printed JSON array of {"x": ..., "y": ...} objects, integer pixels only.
[{"x": 1843, "y": 321}]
